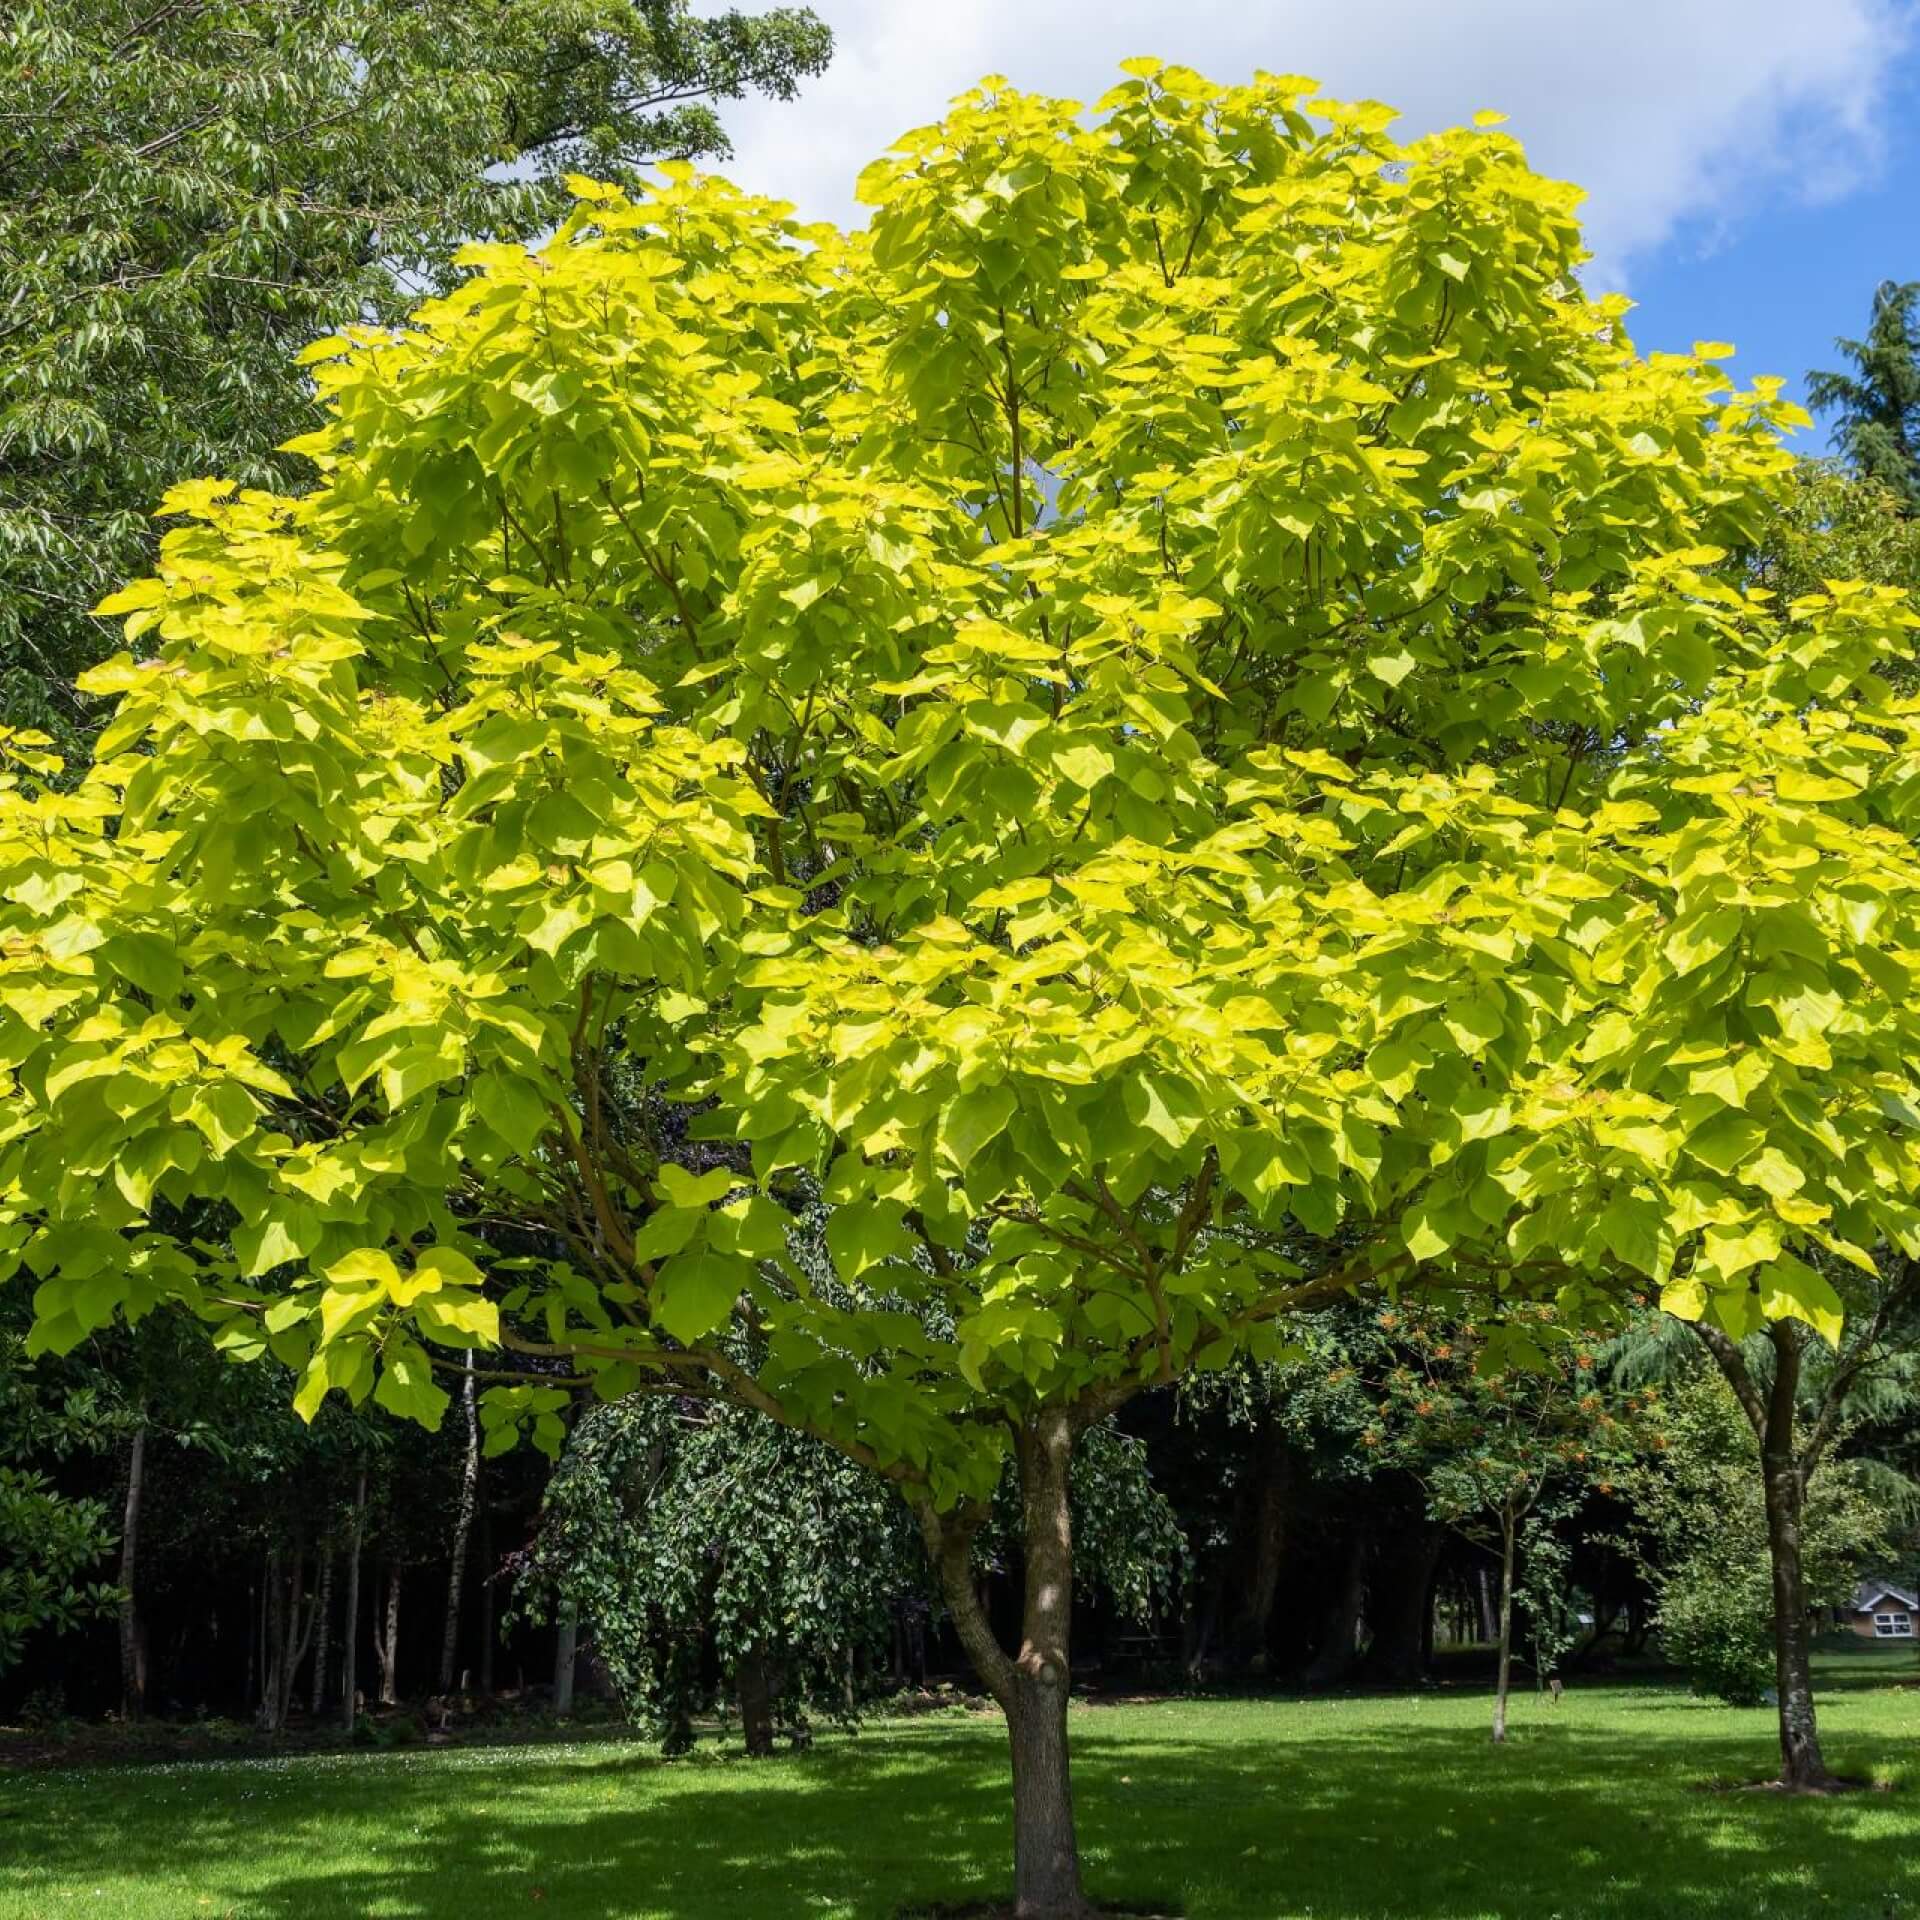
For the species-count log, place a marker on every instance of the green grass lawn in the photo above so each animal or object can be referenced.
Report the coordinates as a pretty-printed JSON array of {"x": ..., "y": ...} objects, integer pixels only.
[{"x": 1334, "y": 1809}]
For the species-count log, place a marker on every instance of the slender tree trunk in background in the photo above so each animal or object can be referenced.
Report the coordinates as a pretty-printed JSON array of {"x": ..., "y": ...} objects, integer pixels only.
[
  {"x": 1489, "y": 1612},
  {"x": 1205, "y": 1623},
  {"x": 462, "y": 1526},
  {"x": 322, "y": 1627},
  {"x": 1031, "y": 1687},
  {"x": 754, "y": 1691},
  {"x": 1335, "y": 1659},
  {"x": 350, "y": 1629},
  {"x": 1267, "y": 1521},
  {"x": 566, "y": 1650},
  {"x": 486, "y": 1591},
  {"x": 133, "y": 1652},
  {"x": 1400, "y": 1604},
  {"x": 273, "y": 1642},
  {"x": 387, "y": 1647},
  {"x": 1503, "y": 1676},
  {"x": 300, "y": 1624}
]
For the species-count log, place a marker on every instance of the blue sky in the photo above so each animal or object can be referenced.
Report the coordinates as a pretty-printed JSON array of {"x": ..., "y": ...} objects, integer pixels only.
[
  {"x": 1752, "y": 166},
  {"x": 1782, "y": 280}
]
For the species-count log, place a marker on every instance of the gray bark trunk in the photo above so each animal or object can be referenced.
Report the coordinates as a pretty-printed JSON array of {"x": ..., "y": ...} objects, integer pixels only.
[
  {"x": 565, "y": 1655},
  {"x": 322, "y": 1628},
  {"x": 1046, "y": 1855},
  {"x": 133, "y": 1652},
  {"x": 754, "y": 1691},
  {"x": 350, "y": 1626},
  {"x": 1803, "y": 1766},
  {"x": 1489, "y": 1611},
  {"x": 1031, "y": 1687},
  {"x": 387, "y": 1645},
  {"x": 1503, "y": 1678},
  {"x": 462, "y": 1526},
  {"x": 299, "y": 1632}
]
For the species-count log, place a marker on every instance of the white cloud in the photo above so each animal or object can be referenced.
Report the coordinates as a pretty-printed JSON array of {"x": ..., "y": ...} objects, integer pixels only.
[{"x": 1667, "y": 111}]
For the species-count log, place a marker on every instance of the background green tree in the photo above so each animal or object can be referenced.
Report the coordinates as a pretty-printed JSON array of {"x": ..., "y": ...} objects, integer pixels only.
[
  {"x": 190, "y": 193},
  {"x": 51, "y": 1540},
  {"x": 1699, "y": 1528},
  {"x": 1877, "y": 404},
  {"x": 1505, "y": 1450}
]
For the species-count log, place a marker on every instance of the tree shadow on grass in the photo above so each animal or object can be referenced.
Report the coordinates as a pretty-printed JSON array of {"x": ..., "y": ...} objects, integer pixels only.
[{"x": 1342, "y": 1822}]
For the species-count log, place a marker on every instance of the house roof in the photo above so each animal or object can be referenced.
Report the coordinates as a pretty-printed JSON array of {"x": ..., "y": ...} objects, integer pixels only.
[{"x": 1870, "y": 1593}]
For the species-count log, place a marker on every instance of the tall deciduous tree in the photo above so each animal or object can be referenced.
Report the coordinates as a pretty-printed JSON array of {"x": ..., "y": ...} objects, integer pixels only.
[
  {"x": 191, "y": 192},
  {"x": 1800, "y": 1398},
  {"x": 1877, "y": 404},
  {"x": 672, "y": 773}
]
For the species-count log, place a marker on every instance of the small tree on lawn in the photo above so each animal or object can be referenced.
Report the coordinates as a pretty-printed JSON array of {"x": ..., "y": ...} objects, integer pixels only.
[
  {"x": 682, "y": 767},
  {"x": 1507, "y": 1426},
  {"x": 1700, "y": 1532}
]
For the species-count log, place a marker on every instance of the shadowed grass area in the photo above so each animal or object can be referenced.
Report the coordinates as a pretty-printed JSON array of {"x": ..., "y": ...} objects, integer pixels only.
[{"x": 1391, "y": 1808}]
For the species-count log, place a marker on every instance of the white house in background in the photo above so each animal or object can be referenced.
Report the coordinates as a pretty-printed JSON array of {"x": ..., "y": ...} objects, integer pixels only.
[{"x": 1881, "y": 1611}]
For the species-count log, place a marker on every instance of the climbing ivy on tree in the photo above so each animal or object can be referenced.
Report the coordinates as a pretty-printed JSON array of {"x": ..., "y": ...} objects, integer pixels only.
[
  {"x": 677, "y": 1525},
  {"x": 50, "y": 1541},
  {"x": 1364, "y": 833}
]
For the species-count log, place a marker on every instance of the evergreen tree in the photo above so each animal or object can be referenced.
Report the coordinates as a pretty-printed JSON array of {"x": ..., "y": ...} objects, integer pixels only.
[{"x": 1878, "y": 403}]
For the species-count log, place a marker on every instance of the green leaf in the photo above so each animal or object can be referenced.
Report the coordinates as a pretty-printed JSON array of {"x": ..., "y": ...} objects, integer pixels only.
[
  {"x": 681, "y": 1188},
  {"x": 406, "y": 1386},
  {"x": 693, "y": 1294},
  {"x": 225, "y": 1113},
  {"x": 1424, "y": 1232},
  {"x": 1702, "y": 937},
  {"x": 1790, "y": 1289},
  {"x": 971, "y": 1121},
  {"x": 290, "y": 1232},
  {"x": 512, "y": 1106},
  {"x": 865, "y": 1234}
]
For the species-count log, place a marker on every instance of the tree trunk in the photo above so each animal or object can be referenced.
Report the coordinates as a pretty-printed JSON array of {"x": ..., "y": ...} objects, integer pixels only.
[
  {"x": 1032, "y": 1687},
  {"x": 387, "y": 1647},
  {"x": 322, "y": 1627},
  {"x": 350, "y": 1633},
  {"x": 1503, "y": 1675},
  {"x": 1803, "y": 1768},
  {"x": 565, "y": 1652},
  {"x": 1489, "y": 1610},
  {"x": 133, "y": 1652},
  {"x": 299, "y": 1633},
  {"x": 1802, "y": 1765},
  {"x": 274, "y": 1643},
  {"x": 1334, "y": 1661},
  {"x": 462, "y": 1525},
  {"x": 1267, "y": 1521},
  {"x": 754, "y": 1690},
  {"x": 487, "y": 1634},
  {"x": 1400, "y": 1604}
]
